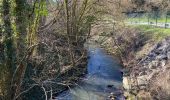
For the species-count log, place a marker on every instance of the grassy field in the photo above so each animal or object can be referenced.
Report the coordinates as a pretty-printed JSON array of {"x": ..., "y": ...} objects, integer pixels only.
[
  {"x": 145, "y": 19},
  {"x": 156, "y": 32}
]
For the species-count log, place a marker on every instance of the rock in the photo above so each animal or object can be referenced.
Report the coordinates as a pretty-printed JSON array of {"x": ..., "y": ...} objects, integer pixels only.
[
  {"x": 126, "y": 83},
  {"x": 152, "y": 55},
  {"x": 154, "y": 64},
  {"x": 109, "y": 96},
  {"x": 162, "y": 57},
  {"x": 142, "y": 73},
  {"x": 157, "y": 52},
  {"x": 110, "y": 86},
  {"x": 162, "y": 63},
  {"x": 144, "y": 95},
  {"x": 142, "y": 80},
  {"x": 150, "y": 65},
  {"x": 168, "y": 54},
  {"x": 155, "y": 71},
  {"x": 157, "y": 46}
]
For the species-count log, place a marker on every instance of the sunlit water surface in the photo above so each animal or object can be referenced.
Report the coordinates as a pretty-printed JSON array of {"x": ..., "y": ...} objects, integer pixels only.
[{"x": 104, "y": 77}]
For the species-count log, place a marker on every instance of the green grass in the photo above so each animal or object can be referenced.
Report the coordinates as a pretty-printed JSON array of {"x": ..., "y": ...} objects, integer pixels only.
[
  {"x": 145, "y": 19},
  {"x": 156, "y": 32}
]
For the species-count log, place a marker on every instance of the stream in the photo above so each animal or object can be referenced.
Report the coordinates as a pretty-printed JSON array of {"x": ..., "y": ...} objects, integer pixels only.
[{"x": 104, "y": 78}]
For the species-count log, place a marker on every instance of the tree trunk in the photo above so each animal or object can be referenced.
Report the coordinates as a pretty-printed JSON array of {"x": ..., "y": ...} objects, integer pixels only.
[
  {"x": 21, "y": 25},
  {"x": 9, "y": 65},
  {"x": 68, "y": 32}
]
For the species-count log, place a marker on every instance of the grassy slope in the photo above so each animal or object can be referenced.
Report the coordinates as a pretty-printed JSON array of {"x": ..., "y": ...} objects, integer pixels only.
[
  {"x": 156, "y": 32},
  {"x": 144, "y": 19}
]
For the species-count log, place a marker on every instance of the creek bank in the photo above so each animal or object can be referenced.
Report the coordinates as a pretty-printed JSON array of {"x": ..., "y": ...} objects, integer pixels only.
[
  {"x": 70, "y": 77},
  {"x": 145, "y": 58},
  {"x": 52, "y": 68},
  {"x": 62, "y": 82},
  {"x": 140, "y": 76}
]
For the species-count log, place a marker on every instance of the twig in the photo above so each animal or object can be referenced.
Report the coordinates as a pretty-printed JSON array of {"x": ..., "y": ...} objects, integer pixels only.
[{"x": 25, "y": 91}]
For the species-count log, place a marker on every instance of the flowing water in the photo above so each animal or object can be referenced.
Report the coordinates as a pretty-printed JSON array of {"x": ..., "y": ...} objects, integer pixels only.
[{"x": 104, "y": 77}]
